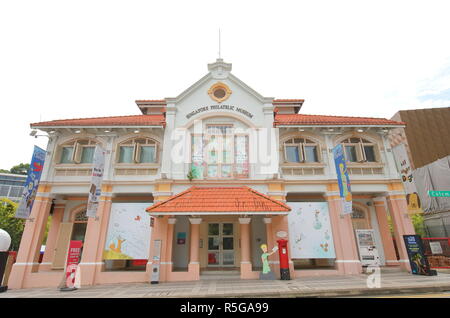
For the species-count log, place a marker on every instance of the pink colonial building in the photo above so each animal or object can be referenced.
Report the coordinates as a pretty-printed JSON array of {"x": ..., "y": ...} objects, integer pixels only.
[{"x": 196, "y": 183}]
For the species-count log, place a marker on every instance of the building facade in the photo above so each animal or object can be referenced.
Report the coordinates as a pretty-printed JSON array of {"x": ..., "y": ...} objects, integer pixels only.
[
  {"x": 425, "y": 141},
  {"x": 11, "y": 186},
  {"x": 219, "y": 170}
]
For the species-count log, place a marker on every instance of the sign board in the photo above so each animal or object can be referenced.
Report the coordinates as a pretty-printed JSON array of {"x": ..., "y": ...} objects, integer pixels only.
[
  {"x": 31, "y": 184},
  {"x": 343, "y": 179},
  {"x": 417, "y": 259},
  {"x": 95, "y": 189},
  {"x": 436, "y": 248},
  {"x": 156, "y": 262},
  {"x": 73, "y": 258},
  {"x": 181, "y": 238}
]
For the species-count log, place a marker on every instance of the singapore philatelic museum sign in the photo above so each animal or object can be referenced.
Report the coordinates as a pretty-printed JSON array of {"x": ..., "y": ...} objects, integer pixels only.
[{"x": 219, "y": 107}]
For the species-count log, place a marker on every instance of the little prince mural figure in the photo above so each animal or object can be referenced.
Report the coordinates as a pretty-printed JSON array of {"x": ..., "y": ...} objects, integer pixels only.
[{"x": 266, "y": 273}]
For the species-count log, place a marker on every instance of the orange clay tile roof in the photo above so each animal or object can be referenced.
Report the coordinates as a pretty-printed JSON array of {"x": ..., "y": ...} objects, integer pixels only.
[
  {"x": 288, "y": 100},
  {"x": 219, "y": 199},
  {"x": 302, "y": 119},
  {"x": 150, "y": 101},
  {"x": 132, "y": 120}
]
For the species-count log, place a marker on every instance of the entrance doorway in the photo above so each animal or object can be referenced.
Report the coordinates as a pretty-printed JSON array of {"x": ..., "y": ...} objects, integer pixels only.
[{"x": 221, "y": 245}]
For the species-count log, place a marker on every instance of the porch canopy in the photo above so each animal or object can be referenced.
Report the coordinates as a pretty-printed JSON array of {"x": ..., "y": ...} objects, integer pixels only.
[{"x": 219, "y": 201}]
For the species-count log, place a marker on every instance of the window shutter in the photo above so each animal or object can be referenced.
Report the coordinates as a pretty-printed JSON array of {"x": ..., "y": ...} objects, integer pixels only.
[
  {"x": 301, "y": 152},
  {"x": 345, "y": 152},
  {"x": 58, "y": 154},
  {"x": 285, "y": 153},
  {"x": 77, "y": 152},
  {"x": 376, "y": 150},
  {"x": 155, "y": 155},
  {"x": 360, "y": 157},
  {"x": 137, "y": 153},
  {"x": 319, "y": 153}
]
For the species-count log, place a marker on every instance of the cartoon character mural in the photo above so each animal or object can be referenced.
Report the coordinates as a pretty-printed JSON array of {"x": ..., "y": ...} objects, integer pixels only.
[
  {"x": 345, "y": 185},
  {"x": 266, "y": 273},
  {"x": 310, "y": 231}
]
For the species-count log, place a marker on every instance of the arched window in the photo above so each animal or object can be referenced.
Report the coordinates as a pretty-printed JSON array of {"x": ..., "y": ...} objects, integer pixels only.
[
  {"x": 301, "y": 150},
  {"x": 138, "y": 150},
  {"x": 357, "y": 149},
  {"x": 80, "y": 217},
  {"x": 360, "y": 219},
  {"x": 77, "y": 151},
  {"x": 220, "y": 152}
]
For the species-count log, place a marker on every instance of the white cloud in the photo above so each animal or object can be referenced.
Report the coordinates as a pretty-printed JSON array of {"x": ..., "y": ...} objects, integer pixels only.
[{"x": 94, "y": 58}]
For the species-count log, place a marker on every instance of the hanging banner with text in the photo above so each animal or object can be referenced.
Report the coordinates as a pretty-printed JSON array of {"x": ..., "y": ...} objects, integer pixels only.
[
  {"x": 343, "y": 179},
  {"x": 31, "y": 184},
  {"x": 406, "y": 173},
  {"x": 73, "y": 259},
  {"x": 96, "y": 181}
]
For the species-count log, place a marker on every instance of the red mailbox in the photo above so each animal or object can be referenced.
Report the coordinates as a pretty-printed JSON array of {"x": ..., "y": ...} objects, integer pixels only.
[{"x": 284, "y": 259}]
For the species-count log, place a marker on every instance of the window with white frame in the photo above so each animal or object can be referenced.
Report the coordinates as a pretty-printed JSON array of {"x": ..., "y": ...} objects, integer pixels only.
[
  {"x": 78, "y": 151},
  {"x": 219, "y": 153},
  {"x": 138, "y": 150},
  {"x": 357, "y": 149},
  {"x": 301, "y": 150}
]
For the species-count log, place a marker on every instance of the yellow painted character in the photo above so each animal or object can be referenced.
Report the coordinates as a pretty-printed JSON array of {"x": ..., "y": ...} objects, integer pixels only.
[{"x": 347, "y": 194}]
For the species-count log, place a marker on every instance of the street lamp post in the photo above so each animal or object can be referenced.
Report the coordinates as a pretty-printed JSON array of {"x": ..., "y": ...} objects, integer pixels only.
[{"x": 5, "y": 242}]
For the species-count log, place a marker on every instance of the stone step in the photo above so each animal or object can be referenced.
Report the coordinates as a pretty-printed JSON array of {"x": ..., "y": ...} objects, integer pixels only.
[
  {"x": 220, "y": 275},
  {"x": 224, "y": 273}
]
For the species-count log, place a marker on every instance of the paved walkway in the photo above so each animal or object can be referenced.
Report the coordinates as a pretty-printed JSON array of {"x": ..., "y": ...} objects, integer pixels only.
[{"x": 331, "y": 286}]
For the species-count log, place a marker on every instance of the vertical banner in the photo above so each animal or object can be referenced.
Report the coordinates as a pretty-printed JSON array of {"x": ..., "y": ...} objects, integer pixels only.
[
  {"x": 31, "y": 184},
  {"x": 343, "y": 179},
  {"x": 406, "y": 173},
  {"x": 73, "y": 258},
  {"x": 96, "y": 181}
]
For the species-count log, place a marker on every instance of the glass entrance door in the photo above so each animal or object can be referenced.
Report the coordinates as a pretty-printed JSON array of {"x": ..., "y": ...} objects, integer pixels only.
[{"x": 221, "y": 244}]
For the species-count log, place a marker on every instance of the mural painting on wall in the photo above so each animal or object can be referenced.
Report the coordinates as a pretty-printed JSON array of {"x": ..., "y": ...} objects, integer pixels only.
[
  {"x": 310, "y": 231},
  {"x": 128, "y": 232},
  {"x": 266, "y": 273}
]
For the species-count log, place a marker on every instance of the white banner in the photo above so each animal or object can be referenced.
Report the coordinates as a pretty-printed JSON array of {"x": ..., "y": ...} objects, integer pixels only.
[
  {"x": 310, "y": 233},
  {"x": 96, "y": 181},
  {"x": 409, "y": 182},
  {"x": 404, "y": 167},
  {"x": 128, "y": 232}
]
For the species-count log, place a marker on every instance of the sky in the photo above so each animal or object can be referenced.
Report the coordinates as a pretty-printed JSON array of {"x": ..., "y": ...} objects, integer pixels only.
[{"x": 73, "y": 59}]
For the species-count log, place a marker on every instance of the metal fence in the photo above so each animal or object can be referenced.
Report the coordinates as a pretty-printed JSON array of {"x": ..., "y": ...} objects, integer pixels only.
[{"x": 437, "y": 250}]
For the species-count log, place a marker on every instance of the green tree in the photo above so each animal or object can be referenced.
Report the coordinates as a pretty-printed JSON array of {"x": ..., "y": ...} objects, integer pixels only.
[
  {"x": 21, "y": 168},
  {"x": 10, "y": 224},
  {"x": 417, "y": 221}
]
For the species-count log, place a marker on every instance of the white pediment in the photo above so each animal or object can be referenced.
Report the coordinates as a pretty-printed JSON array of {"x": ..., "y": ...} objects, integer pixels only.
[{"x": 219, "y": 71}]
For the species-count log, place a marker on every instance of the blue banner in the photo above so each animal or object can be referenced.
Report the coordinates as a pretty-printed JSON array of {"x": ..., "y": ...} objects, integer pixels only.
[
  {"x": 31, "y": 185},
  {"x": 343, "y": 178}
]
